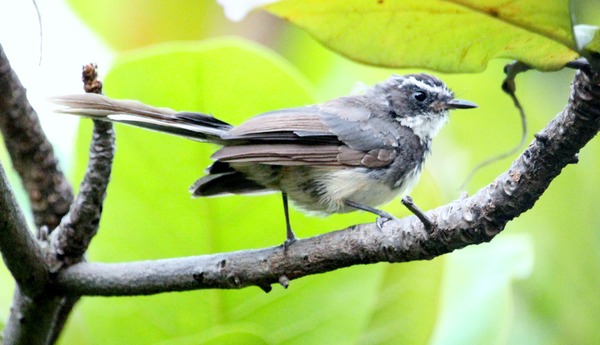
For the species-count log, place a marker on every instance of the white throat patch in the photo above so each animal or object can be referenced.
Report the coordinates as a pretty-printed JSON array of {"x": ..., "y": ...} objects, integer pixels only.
[{"x": 425, "y": 126}]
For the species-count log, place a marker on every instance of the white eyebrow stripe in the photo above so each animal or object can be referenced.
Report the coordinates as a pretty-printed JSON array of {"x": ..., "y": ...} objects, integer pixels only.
[{"x": 422, "y": 85}]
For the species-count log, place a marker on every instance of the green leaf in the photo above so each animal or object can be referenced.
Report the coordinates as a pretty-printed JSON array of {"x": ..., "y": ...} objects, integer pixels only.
[
  {"x": 477, "y": 298},
  {"x": 449, "y": 36},
  {"x": 149, "y": 213},
  {"x": 127, "y": 24},
  {"x": 407, "y": 304}
]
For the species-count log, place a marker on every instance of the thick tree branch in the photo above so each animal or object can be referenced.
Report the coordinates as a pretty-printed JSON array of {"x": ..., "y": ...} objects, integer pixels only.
[
  {"x": 31, "y": 319},
  {"x": 32, "y": 308},
  {"x": 31, "y": 153},
  {"x": 463, "y": 222}
]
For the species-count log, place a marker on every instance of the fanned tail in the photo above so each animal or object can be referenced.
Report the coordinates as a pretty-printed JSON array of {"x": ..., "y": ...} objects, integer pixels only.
[{"x": 196, "y": 126}]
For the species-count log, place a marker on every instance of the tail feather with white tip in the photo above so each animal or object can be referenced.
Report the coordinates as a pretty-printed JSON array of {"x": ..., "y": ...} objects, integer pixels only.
[{"x": 196, "y": 126}]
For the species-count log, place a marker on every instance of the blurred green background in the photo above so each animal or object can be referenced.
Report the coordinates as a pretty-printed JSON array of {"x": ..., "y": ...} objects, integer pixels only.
[{"x": 536, "y": 283}]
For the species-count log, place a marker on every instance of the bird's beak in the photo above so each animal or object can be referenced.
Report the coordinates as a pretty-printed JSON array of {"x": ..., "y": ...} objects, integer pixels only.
[{"x": 460, "y": 104}]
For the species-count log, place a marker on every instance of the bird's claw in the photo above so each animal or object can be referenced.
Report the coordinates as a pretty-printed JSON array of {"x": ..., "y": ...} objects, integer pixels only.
[
  {"x": 288, "y": 242},
  {"x": 383, "y": 218}
]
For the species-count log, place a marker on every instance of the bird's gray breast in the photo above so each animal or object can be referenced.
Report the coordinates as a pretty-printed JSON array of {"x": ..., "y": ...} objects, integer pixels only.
[
  {"x": 365, "y": 125},
  {"x": 404, "y": 170}
]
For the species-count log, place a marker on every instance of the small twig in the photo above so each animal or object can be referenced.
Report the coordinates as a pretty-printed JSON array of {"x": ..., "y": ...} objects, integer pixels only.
[
  {"x": 41, "y": 30},
  {"x": 511, "y": 70},
  {"x": 408, "y": 202}
]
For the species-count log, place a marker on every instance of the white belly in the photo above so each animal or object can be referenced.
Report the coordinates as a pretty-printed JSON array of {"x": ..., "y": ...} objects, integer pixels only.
[{"x": 359, "y": 187}]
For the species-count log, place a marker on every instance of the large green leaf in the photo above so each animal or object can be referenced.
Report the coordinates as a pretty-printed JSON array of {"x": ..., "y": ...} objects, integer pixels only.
[
  {"x": 407, "y": 304},
  {"x": 149, "y": 213},
  {"x": 128, "y": 24},
  {"x": 477, "y": 304},
  {"x": 451, "y": 36}
]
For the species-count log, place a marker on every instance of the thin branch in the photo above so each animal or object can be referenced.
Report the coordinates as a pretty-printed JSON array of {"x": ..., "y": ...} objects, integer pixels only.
[
  {"x": 41, "y": 30},
  {"x": 31, "y": 153},
  {"x": 33, "y": 309},
  {"x": 76, "y": 230},
  {"x": 20, "y": 251},
  {"x": 69, "y": 243},
  {"x": 461, "y": 223}
]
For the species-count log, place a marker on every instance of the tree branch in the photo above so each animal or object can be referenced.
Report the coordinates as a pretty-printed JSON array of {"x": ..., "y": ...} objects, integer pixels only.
[
  {"x": 463, "y": 222},
  {"x": 32, "y": 309},
  {"x": 76, "y": 230},
  {"x": 38, "y": 313},
  {"x": 31, "y": 153},
  {"x": 70, "y": 241},
  {"x": 31, "y": 319},
  {"x": 20, "y": 251}
]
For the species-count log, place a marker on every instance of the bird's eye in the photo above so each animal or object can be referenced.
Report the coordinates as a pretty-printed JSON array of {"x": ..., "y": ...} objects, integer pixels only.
[{"x": 419, "y": 96}]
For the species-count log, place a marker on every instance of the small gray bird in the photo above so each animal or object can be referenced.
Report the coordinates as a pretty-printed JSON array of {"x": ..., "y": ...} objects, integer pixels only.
[{"x": 354, "y": 152}]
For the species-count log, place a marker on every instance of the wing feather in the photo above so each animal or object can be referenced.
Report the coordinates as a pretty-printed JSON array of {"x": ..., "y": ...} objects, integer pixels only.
[
  {"x": 337, "y": 133},
  {"x": 293, "y": 154},
  {"x": 301, "y": 122}
]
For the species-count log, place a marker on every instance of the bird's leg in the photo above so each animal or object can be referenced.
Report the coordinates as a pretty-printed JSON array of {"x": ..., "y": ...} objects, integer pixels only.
[
  {"x": 408, "y": 202},
  {"x": 383, "y": 216},
  {"x": 290, "y": 237}
]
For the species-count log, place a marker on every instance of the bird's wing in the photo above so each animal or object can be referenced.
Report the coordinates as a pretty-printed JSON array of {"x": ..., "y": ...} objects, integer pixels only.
[
  {"x": 295, "y": 154},
  {"x": 297, "y": 125},
  {"x": 359, "y": 124},
  {"x": 336, "y": 133}
]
